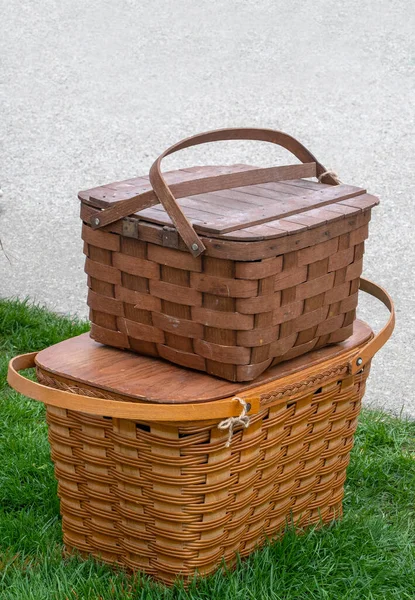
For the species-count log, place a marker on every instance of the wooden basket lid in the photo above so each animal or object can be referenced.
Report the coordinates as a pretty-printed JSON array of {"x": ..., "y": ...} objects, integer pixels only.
[
  {"x": 246, "y": 213},
  {"x": 131, "y": 376}
]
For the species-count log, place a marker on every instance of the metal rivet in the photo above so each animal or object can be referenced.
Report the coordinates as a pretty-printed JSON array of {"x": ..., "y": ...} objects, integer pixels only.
[
  {"x": 248, "y": 406},
  {"x": 96, "y": 221},
  {"x": 195, "y": 247},
  {"x": 359, "y": 361}
]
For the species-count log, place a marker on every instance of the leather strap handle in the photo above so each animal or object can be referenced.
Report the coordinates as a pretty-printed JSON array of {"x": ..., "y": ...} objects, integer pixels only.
[
  {"x": 219, "y": 409},
  {"x": 167, "y": 197},
  {"x": 366, "y": 353}
]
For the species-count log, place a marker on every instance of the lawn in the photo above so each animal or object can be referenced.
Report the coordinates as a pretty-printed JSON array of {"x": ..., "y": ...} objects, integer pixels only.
[{"x": 370, "y": 554}]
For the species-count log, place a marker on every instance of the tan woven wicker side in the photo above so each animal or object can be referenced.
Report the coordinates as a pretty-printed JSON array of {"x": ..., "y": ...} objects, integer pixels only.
[{"x": 158, "y": 487}]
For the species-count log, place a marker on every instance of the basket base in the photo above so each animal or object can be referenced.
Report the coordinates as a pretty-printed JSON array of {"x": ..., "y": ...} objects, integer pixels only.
[{"x": 313, "y": 518}]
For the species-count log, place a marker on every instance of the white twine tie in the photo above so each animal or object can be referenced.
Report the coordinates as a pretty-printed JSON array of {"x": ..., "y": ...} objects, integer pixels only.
[
  {"x": 232, "y": 422},
  {"x": 332, "y": 174}
]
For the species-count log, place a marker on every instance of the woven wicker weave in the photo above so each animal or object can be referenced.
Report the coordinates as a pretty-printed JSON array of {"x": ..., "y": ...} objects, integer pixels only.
[
  {"x": 278, "y": 276},
  {"x": 165, "y": 494},
  {"x": 171, "y": 500}
]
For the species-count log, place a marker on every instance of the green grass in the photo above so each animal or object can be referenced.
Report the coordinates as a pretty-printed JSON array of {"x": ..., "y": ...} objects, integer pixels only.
[{"x": 370, "y": 554}]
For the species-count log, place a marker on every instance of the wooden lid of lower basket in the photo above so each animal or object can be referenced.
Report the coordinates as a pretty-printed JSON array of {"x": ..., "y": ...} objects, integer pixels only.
[{"x": 131, "y": 376}]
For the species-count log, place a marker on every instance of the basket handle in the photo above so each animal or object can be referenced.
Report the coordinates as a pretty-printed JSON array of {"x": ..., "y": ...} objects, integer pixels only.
[
  {"x": 366, "y": 352},
  {"x": 167, "y": 196},
  {"x": 220, "y": 409},
  {"x": 205, "y": 411}
]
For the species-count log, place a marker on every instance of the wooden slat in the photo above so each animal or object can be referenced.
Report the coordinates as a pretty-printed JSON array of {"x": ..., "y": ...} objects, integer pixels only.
[
  {"x": 183, "y": 327},
  {"x": 141, "y": 331},
  {"x": 259, "y": 191},
  {"x": 286, "y": 237},
  {"x": 236, "y": 355},
  {"x": 363, "y": 202},
  {"x": 284, "y": 187},
  {"x": 234, "y": 197},
  {"x": 236, "y": 213},
  {"x": 224, "y": 286},
  {"x": 243, "y": 178},
  {"x": 100, "y": 197},
  {"x": 175, "y": 293},
  {"x": 100, "y": 239},
  {"x": 130, "y": 203},
  {"x": 232, "y": 200},
  {"x": 290, "y": 206},
  {"x": 310, "y": 185},
  {"x": 222, "y": 320},
  {"x": 102, "y": 272}
]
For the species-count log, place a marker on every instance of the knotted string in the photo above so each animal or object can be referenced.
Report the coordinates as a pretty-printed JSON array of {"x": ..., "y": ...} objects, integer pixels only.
[
  {"x": 232, "y": 422},
  {"x": 332, "y": 174}
]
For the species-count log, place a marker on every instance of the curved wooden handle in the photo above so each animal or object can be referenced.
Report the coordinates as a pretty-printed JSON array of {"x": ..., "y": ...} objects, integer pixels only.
[
  {"x": 205, "y": 411},
  {"x": 367, "y": 351},
  {"x": 168, "y": 195}
]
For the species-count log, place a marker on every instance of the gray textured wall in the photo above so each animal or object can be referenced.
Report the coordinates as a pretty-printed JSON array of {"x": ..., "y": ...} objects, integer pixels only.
[{"x": 93, "y": 91}]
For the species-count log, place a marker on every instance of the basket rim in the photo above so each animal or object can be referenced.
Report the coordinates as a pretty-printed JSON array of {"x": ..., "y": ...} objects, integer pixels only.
[
  {"x": 192, "y": 386},
  {"x": 223, "y": 409},
  {"x": 106, "y": 196}
]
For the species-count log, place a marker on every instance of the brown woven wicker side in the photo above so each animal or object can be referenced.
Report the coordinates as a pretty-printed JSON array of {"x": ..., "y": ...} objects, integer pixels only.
[
  {"x": 229, "y": 269},
  {"x": 228, "y": 318}
]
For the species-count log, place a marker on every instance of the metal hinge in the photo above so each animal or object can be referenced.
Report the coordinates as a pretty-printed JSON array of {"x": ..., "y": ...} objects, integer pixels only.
[{"x": 130, "y": 227}]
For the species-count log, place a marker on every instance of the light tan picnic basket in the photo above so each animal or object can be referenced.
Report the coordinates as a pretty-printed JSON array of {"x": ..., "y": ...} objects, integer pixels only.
[
  {"x": 226, "y": 270},
  {"x": 171, "y": 472}
]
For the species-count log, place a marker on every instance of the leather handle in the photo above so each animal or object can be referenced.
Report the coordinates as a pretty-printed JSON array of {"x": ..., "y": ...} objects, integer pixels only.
[
  {"x": 205, "y": 411},
  {"x": 366, "y": 352},
  {"x": 167, "y": 195}
]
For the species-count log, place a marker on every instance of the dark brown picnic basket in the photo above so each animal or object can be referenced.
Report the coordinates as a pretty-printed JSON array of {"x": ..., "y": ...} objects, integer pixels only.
[{"x": 227, "y": 270}]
